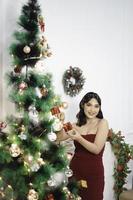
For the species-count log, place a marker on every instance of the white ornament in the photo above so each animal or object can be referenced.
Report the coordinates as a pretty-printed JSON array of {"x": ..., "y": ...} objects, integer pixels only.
[
  {"x": 35, "y": 167},
  {"x": 57, "y": 125},
  {"x": 60, "y": 178},
  {"x": 52, "y": 136},
  {"x": 26, "y": 49},
  {"x": 51, "y": 182},
  {"x": 22, "y": 136}
]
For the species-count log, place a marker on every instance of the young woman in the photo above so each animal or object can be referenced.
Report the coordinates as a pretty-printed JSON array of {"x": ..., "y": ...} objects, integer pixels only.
[{"x": 89, "y": 135}]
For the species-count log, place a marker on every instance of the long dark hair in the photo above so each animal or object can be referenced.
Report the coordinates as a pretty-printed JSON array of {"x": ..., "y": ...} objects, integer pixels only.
[{"x": 81, "y": 117}]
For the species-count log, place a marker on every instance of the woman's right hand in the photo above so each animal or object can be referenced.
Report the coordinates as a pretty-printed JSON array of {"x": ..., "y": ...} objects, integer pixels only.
[{"x": 74, "y": 134}]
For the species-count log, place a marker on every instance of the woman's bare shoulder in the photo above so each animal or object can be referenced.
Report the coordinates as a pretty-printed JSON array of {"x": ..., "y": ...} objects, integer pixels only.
[{"x": 103, "y": 122}]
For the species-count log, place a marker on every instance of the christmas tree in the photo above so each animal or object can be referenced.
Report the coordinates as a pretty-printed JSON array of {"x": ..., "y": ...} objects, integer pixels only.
[{"x": 32, "y": 165}]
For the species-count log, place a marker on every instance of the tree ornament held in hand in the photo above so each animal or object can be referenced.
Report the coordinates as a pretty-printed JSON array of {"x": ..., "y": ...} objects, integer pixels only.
[
  {"x": 26, "y": 49},
  {"x": 73, "y": 81},
  {"x": 67, "y": 127}
]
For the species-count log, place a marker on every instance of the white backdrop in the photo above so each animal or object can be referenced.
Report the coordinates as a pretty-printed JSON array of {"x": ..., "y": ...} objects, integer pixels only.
[{"x": 96, "y": 36}]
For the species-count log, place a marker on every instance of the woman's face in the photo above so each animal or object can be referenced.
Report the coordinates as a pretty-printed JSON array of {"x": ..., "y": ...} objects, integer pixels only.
[{"x": 91, "y": 108}]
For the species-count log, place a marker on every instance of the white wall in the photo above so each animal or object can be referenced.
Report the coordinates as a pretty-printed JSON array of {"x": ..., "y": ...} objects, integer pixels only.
[{"x": 96, "y": 36}]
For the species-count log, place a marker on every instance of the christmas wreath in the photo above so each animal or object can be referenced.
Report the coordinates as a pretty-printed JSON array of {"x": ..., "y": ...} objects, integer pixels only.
[
  {"x": 123, "y": 153},
  {"x": 73, "y": 81}
]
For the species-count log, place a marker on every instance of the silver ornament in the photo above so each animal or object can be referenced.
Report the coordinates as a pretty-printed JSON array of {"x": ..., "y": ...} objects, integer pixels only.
[
  {"x": 52, "y": 136},
  {"x": 22, "y": 136},
  {"x": 68, "y": 172},
  {"x": 51, "y": 182}
]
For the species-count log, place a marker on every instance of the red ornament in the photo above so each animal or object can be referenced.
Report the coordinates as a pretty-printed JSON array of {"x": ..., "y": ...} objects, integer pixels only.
[
  {"x": 17, "y": 69},
  {"x": 120, "y": 168},
  {"x": 22, "y": 86},
  {"x": 50, "y": 197},
  {"x": 67, "y": 126},
  {"x": 55, "y": 110},
  {"x": 2, "y": 125}
]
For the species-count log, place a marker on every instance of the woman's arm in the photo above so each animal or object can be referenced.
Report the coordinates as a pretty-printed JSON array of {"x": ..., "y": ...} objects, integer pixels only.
[{"x": 101, "y": 137}]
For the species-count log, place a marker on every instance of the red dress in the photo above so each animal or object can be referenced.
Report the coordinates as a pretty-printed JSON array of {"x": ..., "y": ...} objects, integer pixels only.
[{"x": 89, "y": 167}]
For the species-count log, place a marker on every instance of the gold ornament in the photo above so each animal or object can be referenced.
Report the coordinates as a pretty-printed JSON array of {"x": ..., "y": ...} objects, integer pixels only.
[
  {"x": 83, "y": 183},
  {"x": 46, "y": 53},
  {"x": 32, "y": 195},
  {"x": 40, "y": 161},
  {"x": 61, "y": 116},
  {"x": 26, "y": 49},
  {"x": 64, "y": 105},
  {"x": 28, "y": 159},
  {"x": 22, "y": 128},
  {"x": 49, "y": 54},
  {"x": 14, "y": 150},
  {"x": 44, "y": 91}
]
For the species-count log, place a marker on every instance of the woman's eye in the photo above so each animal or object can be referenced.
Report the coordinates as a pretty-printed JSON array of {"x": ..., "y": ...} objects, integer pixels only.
[{"x": 88, "y": 104}]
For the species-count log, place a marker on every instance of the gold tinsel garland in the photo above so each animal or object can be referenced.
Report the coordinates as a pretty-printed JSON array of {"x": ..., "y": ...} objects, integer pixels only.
[{"x": 123, "y": 153}]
